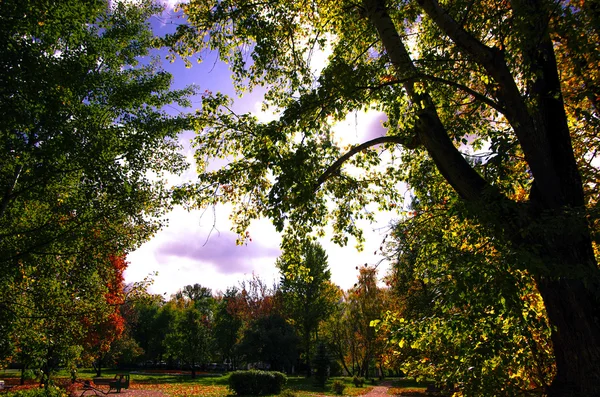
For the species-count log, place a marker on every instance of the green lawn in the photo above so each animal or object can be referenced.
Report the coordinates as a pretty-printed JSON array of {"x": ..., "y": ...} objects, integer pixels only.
[{"x": 208, "y": 385}]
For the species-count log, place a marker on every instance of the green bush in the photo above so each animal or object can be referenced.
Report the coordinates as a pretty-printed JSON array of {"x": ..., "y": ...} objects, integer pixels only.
[
  {"x": 256, "y": 383},
  {"x": 30, "y": 374},
  {"x": 358, "y": 381},
  {"x": 338, "y": 387},
  {"x": 38, "y": 392},
  {"x": 288, "y": 393}
]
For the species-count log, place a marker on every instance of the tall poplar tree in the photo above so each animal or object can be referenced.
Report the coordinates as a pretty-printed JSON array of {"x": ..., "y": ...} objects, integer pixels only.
[{"x": 308, "y": 295}]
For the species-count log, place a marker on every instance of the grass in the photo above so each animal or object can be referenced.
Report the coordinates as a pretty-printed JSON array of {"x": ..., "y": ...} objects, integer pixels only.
[
  {"x": 304, "y": 387},
  {"x": 408, "y": 387},
  {"x": 211, "y": 385}
]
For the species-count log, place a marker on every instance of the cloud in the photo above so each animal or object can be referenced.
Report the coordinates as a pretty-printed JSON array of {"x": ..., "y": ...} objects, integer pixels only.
[
  {"x": 219, "y": 250},
  {"x": 375, "y": 128}
]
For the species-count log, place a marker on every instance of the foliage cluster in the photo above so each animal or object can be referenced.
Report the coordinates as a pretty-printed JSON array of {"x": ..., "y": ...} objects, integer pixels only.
[{"x": 256, "y": 383}]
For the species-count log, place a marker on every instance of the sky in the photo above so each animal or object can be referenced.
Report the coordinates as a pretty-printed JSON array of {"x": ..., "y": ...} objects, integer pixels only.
[{"x": 199, "y": 247}]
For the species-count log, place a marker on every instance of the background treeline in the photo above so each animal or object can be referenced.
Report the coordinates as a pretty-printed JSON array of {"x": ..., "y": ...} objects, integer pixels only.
[{"x": 277, "y": 327}]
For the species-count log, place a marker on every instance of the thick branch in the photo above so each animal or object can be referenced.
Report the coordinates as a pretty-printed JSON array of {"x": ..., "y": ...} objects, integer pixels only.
[
  {"x": 432, "y": 133},
  {"x": 534, "y": 142},
  {"x": 482, "y": 53},
  {"x": 333, "y": 168}
]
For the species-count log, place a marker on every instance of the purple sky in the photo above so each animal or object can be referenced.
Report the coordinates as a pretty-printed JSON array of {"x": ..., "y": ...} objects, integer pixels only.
[{"x": 198, "y": 247}]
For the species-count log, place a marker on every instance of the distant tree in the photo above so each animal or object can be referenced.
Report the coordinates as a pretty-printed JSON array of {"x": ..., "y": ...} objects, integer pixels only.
[
  {"x": 154, "y": 321},
  {"x": 228, "y": 326},
  {"x": 338, "y": 331},
  {"x": 366, "y": 303},
  {"x": 257, "y": 299},
  {"x": 270, "y": 339},
  {"x": 190, "y": 339},
  {"x": 100, "y": 335},
  {"x": 308, "y": 296},
  {"x": 199, "y": 296}
]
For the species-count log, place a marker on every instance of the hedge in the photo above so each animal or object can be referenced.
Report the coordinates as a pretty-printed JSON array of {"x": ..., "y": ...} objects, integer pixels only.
[{"x": 256, "y": 383}]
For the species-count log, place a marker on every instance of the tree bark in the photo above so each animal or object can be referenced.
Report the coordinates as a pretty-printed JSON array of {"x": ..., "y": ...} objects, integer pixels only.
[{"x": 573, "y": 311}]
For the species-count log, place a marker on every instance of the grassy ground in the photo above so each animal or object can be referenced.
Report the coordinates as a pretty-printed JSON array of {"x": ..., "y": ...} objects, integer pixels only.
[
  {"x": 178, "y": 383},
  {"x": 407, "y": 387}
]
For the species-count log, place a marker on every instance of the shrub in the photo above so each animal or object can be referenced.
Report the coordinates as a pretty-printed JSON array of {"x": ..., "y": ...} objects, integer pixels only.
[
  {"x": 358, "y": 381},
  {"x": 256, "y": 383},
  {"x": 288, "y": 393},
  {"x": 30, "y": 374},
  {"x": 338, "y": 387}
]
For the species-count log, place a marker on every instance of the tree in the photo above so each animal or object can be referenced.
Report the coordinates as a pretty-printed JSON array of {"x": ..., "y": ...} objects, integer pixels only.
[
  {"x": 155, "y": 320},
  {"x": 365, "y": 305},
  {"x": 102, "y": 333},
  {"x": 270, "y": 340},
  {"x": 337, "y": 330},
  {"x": 86, "y": 143},
  {"x": 515, "y": 78},
  {"x": 191, "y": 338},
  {"x": 198, "y": 296},
  {"x": 227, "y": 327},
  {"x": 308, "y": 296},
  {"x": 60, "y": 302}
]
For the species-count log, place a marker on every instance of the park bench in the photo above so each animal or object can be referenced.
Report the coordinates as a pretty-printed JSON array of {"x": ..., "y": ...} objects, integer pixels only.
[{"x": 120, "y": 381}]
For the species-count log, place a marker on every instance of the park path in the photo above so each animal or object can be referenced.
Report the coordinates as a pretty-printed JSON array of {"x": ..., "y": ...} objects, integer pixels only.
[
  {"x": 126, "y": 393},
  {"x": 379, "y": 390}
]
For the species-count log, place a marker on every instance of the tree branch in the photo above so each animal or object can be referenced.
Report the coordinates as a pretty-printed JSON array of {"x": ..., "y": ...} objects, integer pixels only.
[
  {"x": 430, "y": 129},
  {"x": 333, "y": 168},
  {"x": 536, "y": 145},
  {"x": 8, "y": 193},
  {"x": 477, "y": 95}
]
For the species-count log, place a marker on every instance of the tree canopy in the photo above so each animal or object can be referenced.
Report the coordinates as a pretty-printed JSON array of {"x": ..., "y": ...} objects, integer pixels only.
[
  {"x": 499, "y": 98},
  {"x": 86, "y": 141}
]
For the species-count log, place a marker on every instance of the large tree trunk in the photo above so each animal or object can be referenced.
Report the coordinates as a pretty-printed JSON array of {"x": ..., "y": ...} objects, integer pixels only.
[{"x": 573, "y": 308}]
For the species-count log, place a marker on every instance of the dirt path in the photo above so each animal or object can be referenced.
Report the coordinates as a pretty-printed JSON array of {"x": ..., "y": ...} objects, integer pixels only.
[
  {"x": 127, "y": 393},
  {"x": 380, "y": 390}
]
